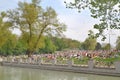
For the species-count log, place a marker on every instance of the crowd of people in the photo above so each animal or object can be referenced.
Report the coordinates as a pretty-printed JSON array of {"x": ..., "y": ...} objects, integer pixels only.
[
  {"x": 67, "y": 54},
  {"x": 83, "y": 53}
]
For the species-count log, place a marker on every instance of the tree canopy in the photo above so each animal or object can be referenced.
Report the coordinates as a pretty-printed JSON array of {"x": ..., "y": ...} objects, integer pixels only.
[
  {"x": 107, "y": 11},
  {"x": 34, "y": 22},
  {"x": 4, "y": 29},
  {"x": 90, "y": 42}
]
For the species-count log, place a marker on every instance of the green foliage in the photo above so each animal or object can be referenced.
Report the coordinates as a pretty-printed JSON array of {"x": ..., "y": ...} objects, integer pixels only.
[
  {"x": 107, "y": 11},
  {"x": 107, "y": 47},
  {"x": 8, "y": 47},
  {"x": 72, "y": 44},
  {"x": 106, "y": 61},
  {"x": 118, "y": 43},
  {"x": 49, "y": 46},
  {"x": 34, "y": 22},
  {"x": 7, "y": 39},
  {"x": 118, "y": 53},
  {"x": 20, "y": 48},
  {"x": 65, "y": 43},
  {"x": 62, "y": 60},
  {"x": 4, "y": 29},
  {"x": 98, "y": 46},
  {"x": 80, "y": 61},
  {"x": 54, "y": 43},
  {"x": 90, "y": 43},
  {"x": 59, "y": 43}
]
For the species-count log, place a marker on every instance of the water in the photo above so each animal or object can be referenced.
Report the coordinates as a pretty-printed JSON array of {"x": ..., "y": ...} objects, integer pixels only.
[{"x": 10, "y": 73}]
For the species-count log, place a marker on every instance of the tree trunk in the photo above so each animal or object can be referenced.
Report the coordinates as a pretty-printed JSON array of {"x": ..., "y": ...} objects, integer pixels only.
[{"x": 29, "y": 53}]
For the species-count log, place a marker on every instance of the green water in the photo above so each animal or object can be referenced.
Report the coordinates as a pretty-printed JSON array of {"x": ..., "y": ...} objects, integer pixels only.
[{"x": 10, "y": 73}]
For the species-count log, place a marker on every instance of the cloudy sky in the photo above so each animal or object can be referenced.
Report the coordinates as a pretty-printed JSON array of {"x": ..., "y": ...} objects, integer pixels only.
[{"x": 78, "y": 24}]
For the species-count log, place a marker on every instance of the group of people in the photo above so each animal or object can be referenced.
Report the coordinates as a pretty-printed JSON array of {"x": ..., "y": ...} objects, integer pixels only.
[
  {"x": 77, "y": 54},
  {"x": 83, "y": 53},
  {"x": 69, "y": 54}
]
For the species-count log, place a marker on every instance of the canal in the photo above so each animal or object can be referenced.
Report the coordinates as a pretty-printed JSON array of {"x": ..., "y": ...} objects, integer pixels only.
[{"x": 12, "y": 73}]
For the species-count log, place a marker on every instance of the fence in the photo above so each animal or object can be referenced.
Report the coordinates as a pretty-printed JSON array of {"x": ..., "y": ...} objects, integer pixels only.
[{"x": 91, "y": 64}]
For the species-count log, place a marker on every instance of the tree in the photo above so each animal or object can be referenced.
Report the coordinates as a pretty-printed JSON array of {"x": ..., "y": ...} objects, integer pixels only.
[
  {"x": 34, "y": 22},
  {"x": 9, "y": 45},
  {"x": 90, "y": 42},
  {"x": 98, "y": 46},
  {"x": 59, "y": 43},
  {"x": 71, "y": 44},
  {"x": 107, "y": 46},
  {"x": 107, "y": 11},
  {"x": 49, "y": 46},
  {"x": 118, "y": 43},
  {"x": 20, "y": 47},
  {"x": 4, "y": 29},
  {"x": 65, "y": 43}
]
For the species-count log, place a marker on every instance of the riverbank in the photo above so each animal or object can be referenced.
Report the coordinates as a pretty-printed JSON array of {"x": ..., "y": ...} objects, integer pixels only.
[{"x": 68, "y": 68}]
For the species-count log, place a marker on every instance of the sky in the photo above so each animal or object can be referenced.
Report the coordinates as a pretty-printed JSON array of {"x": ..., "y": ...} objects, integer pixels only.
[{"x": 78, "y": 24}]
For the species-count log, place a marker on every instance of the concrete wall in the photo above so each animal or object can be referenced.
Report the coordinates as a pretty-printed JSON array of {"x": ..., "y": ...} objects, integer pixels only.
[
  {"x": 117, "y": 66},
  {"x": 90, "y": 69}
]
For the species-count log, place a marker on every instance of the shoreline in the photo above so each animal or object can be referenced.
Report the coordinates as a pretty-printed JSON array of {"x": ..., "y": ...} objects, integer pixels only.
[{"x": 66, "y": 68}]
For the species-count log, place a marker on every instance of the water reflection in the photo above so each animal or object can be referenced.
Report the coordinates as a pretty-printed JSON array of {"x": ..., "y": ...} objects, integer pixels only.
[{"x": 8, "y": 73}]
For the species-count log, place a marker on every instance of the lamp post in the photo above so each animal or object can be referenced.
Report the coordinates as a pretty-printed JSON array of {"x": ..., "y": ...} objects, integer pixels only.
[{"x": 110, "y": 33}]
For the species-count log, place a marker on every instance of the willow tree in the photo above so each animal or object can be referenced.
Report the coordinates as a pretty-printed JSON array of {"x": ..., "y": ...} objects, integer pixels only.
[
  {"x": 34, "y": 22},
  {"x": 107, "y": 11}
]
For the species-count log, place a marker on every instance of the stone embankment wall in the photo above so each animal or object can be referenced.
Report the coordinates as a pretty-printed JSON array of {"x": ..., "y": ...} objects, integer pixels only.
[{"x": 69, "y": 67}]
